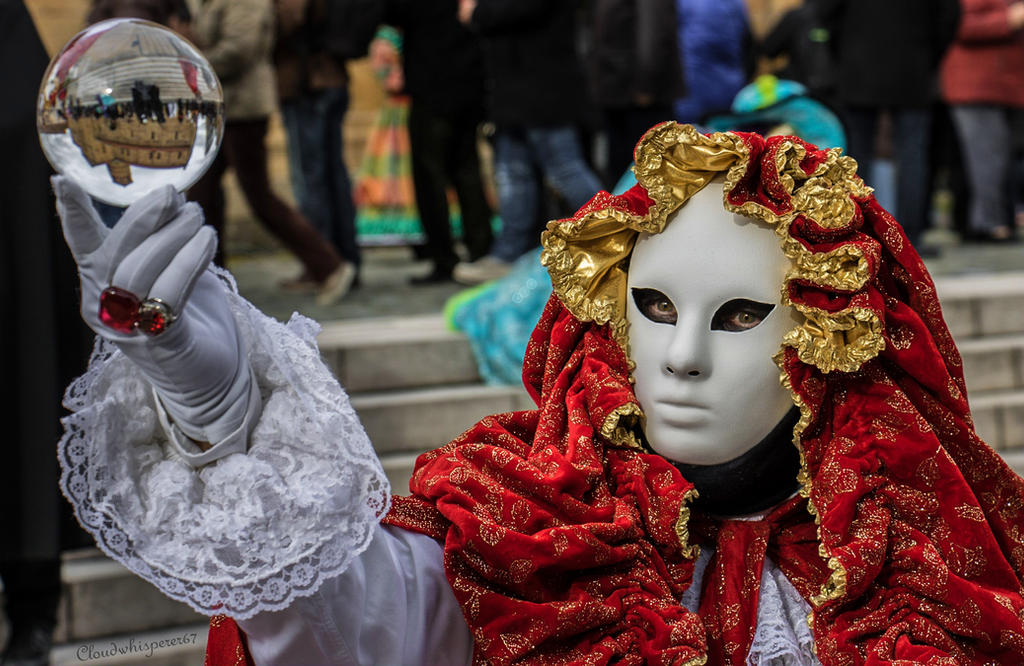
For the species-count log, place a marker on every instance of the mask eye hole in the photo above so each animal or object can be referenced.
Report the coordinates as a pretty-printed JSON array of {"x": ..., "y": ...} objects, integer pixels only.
[
  {"x": 740, "y": 314},
  {"x": 654, "y": 305}
]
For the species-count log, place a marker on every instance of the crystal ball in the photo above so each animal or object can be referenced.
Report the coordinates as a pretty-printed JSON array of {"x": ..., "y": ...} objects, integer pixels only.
[{"x": 127, "y": 106}]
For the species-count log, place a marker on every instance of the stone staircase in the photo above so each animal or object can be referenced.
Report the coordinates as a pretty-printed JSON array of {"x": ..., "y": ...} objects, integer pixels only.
[
  {"x": 415, "y": 386},
  {"x": 985, "y": 314}
]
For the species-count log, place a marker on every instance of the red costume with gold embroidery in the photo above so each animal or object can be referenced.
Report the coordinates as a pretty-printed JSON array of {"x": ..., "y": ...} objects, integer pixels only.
[{"x": 567, "y": 541}]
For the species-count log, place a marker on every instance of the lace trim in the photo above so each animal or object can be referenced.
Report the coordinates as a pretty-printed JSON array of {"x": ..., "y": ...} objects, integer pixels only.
[
  {"x": 250, "y": 532},
  {"x": 782, "y": 637}
]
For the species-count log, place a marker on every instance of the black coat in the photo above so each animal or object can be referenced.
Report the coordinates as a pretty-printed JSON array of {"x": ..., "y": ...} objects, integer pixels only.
[
  {"x": 635, "y": 52},
  {"x": 888, "y": 52},
  {"x": 804, "y": 38},
  {"x": 44, "y": 341},
  {"x": 441, "y": 59},
  {"x": 535, "y": 78}
]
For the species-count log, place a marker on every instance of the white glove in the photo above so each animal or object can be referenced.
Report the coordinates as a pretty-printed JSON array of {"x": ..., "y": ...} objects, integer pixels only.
[{"x": 197, "y": 366}]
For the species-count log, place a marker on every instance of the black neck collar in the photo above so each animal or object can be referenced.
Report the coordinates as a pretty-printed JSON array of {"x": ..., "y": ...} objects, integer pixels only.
[{"x": 757, "y": 480}]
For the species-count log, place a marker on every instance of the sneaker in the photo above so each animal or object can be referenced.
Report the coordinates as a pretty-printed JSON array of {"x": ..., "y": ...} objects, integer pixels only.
[
  {"x": 482, "y": 270},
  {"x": 337, "y": 284}
]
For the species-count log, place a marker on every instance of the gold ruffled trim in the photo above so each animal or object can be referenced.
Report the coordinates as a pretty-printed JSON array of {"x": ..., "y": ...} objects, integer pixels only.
[
  {"x": 682, "y": 526},
  {"x": 587, "y": 264},
  {"x": 835, "y": 586},
  {"x": 618, "y": 427},
  {"x": 587, "y": 258},
  {"x": 804, "y": 476},
  {"x": 845, "y": 268},
  {"x": 843, "y": 340}
]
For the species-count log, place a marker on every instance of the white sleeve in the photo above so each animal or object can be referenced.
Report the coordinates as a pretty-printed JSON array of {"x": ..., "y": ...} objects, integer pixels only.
[
  {"x": 249, "y": 532},
  {"x": 393, "y": 605}
]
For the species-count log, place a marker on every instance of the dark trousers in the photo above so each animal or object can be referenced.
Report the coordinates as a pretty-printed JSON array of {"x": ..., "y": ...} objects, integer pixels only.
[
  {"x": 986, "y": 140},
  {"x": 444, "y": 151},
  {"x": 319, "y": 178},
  {"x": 911, "y": 129},
  {"x": 243, "y": 150}
]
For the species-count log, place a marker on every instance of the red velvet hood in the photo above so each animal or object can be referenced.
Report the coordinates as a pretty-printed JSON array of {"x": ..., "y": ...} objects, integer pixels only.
[{"x": 565, "y": 542}]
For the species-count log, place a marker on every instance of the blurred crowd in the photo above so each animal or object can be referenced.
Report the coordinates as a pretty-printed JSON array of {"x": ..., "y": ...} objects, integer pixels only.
[{"x": 927, "y": 95}]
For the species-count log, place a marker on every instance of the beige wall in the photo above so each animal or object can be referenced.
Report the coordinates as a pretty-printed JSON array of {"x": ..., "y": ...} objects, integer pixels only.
[{"x": 57, "y": 20}]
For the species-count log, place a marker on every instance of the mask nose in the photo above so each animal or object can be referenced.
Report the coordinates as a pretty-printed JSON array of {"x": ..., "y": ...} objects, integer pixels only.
[{"x": 688, "y": 352}]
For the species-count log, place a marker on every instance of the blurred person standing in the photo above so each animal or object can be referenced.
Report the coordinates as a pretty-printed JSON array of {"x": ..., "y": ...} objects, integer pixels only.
[
  {"x": 636, "y": 73},
  {"x": 237, "y": 37},
  {"x": 804, "y": 38},
  {"x": 538, "y": 98},
  {"x": 315, "y": 38},
  {"x": 887, "y": 58},
  {"x": 715, "y": 43},
  {"x": 983, "y": 81},
  {"x": 44, "y": 348},
  {"x": 444, "y": 78}
]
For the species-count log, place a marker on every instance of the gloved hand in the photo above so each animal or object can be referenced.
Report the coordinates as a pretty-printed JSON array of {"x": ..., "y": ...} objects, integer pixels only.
[{"x": 197, "y": 365}]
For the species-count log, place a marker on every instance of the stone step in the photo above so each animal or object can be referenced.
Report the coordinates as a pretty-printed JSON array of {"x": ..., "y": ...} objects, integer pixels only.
[
  {"x": 396, "y": 353},
  {"x": 999, "y": 418},
  {"x": 102, "y": 598},
  {"x": 993, "y": 362},
  {"x": 418, "y": 420},
  {"x": 398, "y": 468},
  {"x": 982, "y": 305},
  {"x": 172, "y": 646}
]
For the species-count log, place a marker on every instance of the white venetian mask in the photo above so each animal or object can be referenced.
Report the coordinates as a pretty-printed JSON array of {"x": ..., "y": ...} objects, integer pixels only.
[{"x": 705, "y": 318}]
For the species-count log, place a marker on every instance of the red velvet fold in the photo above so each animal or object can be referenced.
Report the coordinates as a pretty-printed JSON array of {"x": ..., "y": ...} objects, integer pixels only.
[{"x": 561, "y": 547}]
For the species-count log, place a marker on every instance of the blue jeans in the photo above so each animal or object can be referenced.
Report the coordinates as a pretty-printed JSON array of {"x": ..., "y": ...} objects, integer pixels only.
[
  {"x": 556, "y": 153},
  {"x": 319, "y": 178}
]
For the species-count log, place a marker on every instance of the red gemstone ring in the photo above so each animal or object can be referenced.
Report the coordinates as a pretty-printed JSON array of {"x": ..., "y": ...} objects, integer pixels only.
[
  {"x": 155, "y": 316},
  {"x": 122, "y": 311}
]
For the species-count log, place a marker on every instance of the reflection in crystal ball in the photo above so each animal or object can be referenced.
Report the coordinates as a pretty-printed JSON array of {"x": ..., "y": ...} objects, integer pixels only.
[{"x": 127, "y": 106}]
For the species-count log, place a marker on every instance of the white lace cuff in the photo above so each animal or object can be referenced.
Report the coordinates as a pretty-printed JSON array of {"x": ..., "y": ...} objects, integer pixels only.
[{"x": 251, "y": 531}]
